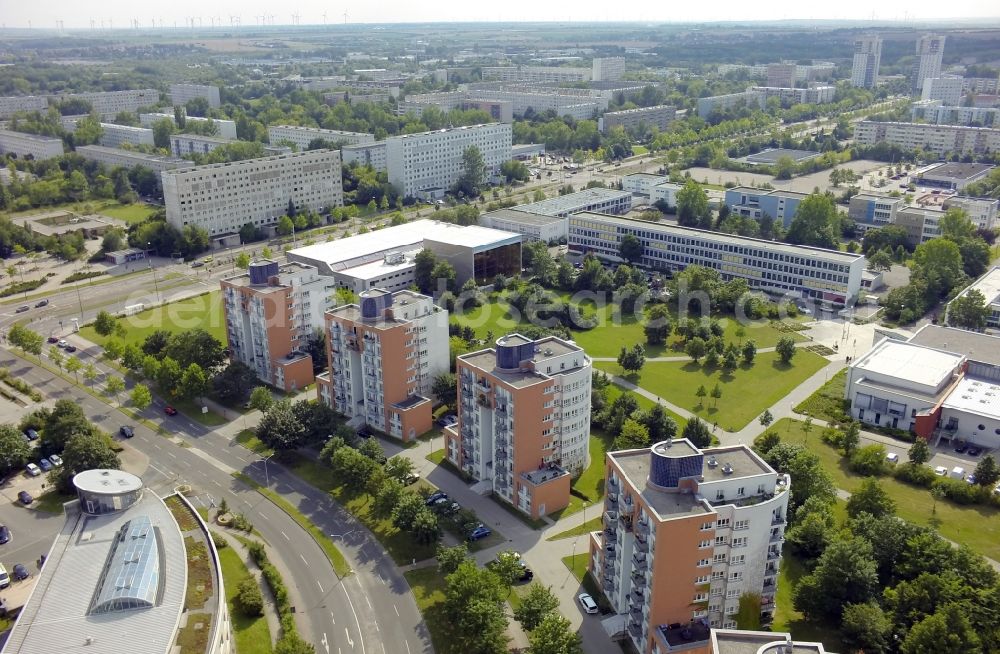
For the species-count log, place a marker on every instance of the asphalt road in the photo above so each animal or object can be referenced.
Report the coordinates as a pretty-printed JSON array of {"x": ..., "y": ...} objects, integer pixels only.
[{"x": 369, "y": 612}]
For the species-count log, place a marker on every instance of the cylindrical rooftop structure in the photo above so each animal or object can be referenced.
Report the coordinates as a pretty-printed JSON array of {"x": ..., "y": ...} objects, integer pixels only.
[
  {"x": 106, "y": 491},
  {"x": 671, "y": 461}
]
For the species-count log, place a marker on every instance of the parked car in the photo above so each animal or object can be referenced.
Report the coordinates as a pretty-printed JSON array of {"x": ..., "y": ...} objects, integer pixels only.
[
  {"x": 892, "y": 457},
  {"x": 4, "y": 534},
  {"x": 587, "y": 603},
  {"x": 197, "y": 264},
  {"x": 975, "y": 450},
  {"x": 33, "y": 470},
  {"x": 55, "y": 460},
  {"x": 961, "y": 447},
  {"x": 62, "y": 343},
  {"x": 411, "y": 478},
  {"x": 44, "y": 464},
  {"x": 940, "y": 471},
  {"x": 126, "y": 431},
  {"x": 31, "y": 434},
  {"x": 24, "y": 497},
  {"x": 447, "y": 420},
  {"x": 20, "y": 572},
  {"x": 970, "y": 479},
  {"x": 22, "y": 308},
  {"x": 169, "y": 410},
  {"x": 434, "y": 497},
  {"x": 440, "y": 502},
  {"x": 4, "y": 577},
  {"x": 41, "y": 303},
  {"x": 52, "y": 339},
  {"x": 479, "y": 533},
  {"x": 71, "y": 348}
]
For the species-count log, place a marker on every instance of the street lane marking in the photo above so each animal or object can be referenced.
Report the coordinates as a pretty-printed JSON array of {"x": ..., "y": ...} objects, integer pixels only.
[
  {"x": 320, "y": 586},
  {"x": 332, "y": 619},
  {"x": 348, "y": 634},
  {"x": 407, "y": 646},
  {"x": 350, "y": 603},
  {"x": 287, "y": 538},
  {"x": 303, "y": 559},
  {"x": 370, "y": 607},
  {"x": 396, "y": 610}
]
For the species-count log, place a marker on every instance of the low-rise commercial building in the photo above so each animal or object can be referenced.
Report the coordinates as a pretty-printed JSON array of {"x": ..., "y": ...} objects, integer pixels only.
[
  {"x": 532, "y": 226},
  {"x": 301, "y": 137},
  {"x": 599, "y": 199},
  {"x": 222, "y": 198},
  {"x": 936, "y": 139},
  {"x": 758, "y": 203},
  {"x": 983, "y": 212},
  {"x": 384, "y": 354},
  {"x": 953, "y": 176},
  {"x": 29, "y": 145},
  {"x": 989, "y": 286},
  {"x": 872, "y": 210},
  {"x": 523, "y": 420},
  {"x": 365, "y": 154},
  {"x": 115, "y": 136},
  {"x": 686, "y": 533},
  {"x": 181, "y": 94},
  {"x": 657, "y": 188},
  {"x": 224, "y": 128},
  {"x": 828, "y": 276},
  {"x": 921, "y": 224},
  {"x": 270, "y": 313},
  {"x": 129, "y": 159},
  {"x": 658, "y": 117}
]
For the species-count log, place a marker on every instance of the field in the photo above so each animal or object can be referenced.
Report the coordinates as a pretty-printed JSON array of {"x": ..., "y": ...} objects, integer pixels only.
[
  {"x": 745, "y": 393},
  {"x": 204, "y": 311},
  {"x": 827, "y": 403},
  {"x": 975, "y": 526},
  {"x": 130, "y": 213},
  {"x": 428, "y": 586}
]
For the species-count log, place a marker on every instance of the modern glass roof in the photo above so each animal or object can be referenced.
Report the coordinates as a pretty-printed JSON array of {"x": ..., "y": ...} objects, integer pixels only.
[{"x": 131, "y": 578}]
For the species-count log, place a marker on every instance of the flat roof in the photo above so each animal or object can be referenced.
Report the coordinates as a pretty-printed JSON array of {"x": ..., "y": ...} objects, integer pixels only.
[
  {"x": 57, "y": 616},
  {"x": 914, "y": 363},
  {"x": 197, "y": 170},
  {"x": 988, "y": 285},
  {"x": 647, "y": 176},
  {"x": 380, "y": 268},
  {"x": 974, "y": 346},
  {"x": 132, "y": 154},
  {"x": 739, "y": 459},
  {"x": 517, "y": 215},
  {"x": 731, "y": 641},
  {"x": 720, "y": 237},
  {"x": 635, "y": 465},
  {"x": 29, "y": 137},
  {"x": 107, "y": 481},
  {"x": 545, "y": 348},
  {"x": 958, "y": 170},
  {"x": 975, "y": 395},
  {"x": 578, "y": 200},
  {"x": 771, "y": 155}
]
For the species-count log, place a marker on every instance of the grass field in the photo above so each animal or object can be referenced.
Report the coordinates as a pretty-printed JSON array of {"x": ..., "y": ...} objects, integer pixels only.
[
  {"x": 827, "y": 403},
  {"x": 428, "y": 587},
  {"x": 593, "y": 524},
  {"x": 975, "y": 526},
  {"x": 204, "y": 311},
  {"x": 745, "y": 393},
  {"x": 130, "y": 213},
  {"x": 252, "y": 634}
]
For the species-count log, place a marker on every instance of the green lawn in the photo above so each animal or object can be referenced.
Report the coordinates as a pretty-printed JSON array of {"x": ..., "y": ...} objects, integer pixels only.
[
  {"x": 975, "y": 526},
  {"x": 428, "y": 587},
  {"x": 52, "y": 501},
  {"x": 252, "y": 634},
  {"x": 787, "y": 619},
  {"x": 745, "y": 393},
  {"x": 827, "y": 403},
  {"x": 577, "y": 564},
  {"x": 594, "y": 524},
  {"x": 248, "y": 439},
  {"x": 130, "y": 213},
  {"x": 204, "y": 311}
]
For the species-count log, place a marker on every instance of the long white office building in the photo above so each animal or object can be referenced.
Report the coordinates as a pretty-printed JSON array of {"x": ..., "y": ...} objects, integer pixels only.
[
  {"x": 224, "y": 128},
  {"x": 938, "y": 139},
  {"x": 181, "y": 94},
  {"x": 130, "y": 159},
  {"x": 301, "y": 137},
  {"x": 806, "y": 272},
  {"x": 430, "y": 162},
  {"x": 115, "y": 136},
  {"x": 221, "y": 198},
  {"x": 29, "y": 145},
  {"x": 365, "y": 154},
  {"x": 11, "y": 104}
]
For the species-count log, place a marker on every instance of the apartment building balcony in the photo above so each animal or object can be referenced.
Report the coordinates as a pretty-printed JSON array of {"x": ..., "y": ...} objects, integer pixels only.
[
  {"x": 773, "y": 554},
  {"x": 677, "y": 637},
  {"x": 543, "y": 475},
  {"x": 777, "y": 535},
  {"x": 641, "y": 545},
  {"x": 777, "y": 520},
  {"x": 635, "y": 630},
  {"x": 611, "y": 519},
  {"x": 639, "y": 561},
  {"x": 611, "y": 536},
  {"x": 611, "y": 503},
  {"x": 642, "y": 528}
]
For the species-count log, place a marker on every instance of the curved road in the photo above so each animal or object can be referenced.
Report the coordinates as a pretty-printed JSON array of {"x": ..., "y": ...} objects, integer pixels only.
[{"x": 368, "y": 612}]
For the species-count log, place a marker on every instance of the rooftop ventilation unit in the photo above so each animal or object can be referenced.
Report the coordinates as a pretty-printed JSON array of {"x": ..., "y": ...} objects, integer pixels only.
[
  {"x": 712, "y": 462},
  {"x": 727, "y": 469}
]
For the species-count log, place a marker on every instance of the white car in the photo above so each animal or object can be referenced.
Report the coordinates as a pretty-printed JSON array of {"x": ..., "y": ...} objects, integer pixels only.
[
  {"x": 62, "y": 343},
  {"x": 892, "y": 457},
  {"x": 56, "y": 460},
  {"x": 940, "y": 471},
  {"x": 587, "y": 602},
  {"x": 33, "y": 470}
]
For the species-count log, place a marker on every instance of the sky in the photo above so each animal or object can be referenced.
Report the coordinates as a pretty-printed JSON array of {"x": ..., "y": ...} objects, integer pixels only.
[{"x": 121, "y": 13}]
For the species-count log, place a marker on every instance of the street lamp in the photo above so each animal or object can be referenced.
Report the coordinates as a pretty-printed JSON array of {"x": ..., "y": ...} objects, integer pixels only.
[
  {"x": 267, "y": 479},
  {"x": 152, "y": 270}
]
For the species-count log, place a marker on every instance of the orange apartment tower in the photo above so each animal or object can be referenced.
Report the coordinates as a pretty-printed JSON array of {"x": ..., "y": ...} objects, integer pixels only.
[
  {"x": 270, "y": 312},
  {"x": 384, "y": 354},
  {"x": 523, "y": 420},
  {"x": 687, "y": 533}
]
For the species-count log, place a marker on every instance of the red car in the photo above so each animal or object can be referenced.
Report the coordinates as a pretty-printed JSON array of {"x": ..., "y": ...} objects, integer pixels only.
[{"x": 169, "y": 410}]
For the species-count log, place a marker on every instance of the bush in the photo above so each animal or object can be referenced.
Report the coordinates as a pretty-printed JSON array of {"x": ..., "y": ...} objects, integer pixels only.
[
  {"x": 242, "y": 523},
  {"x": 249, "y": 599},
  {"x": 257, "y": 552},
  {"x": 79, "y": 276},
  {"x": 220, "y": 541},
  {"x": 21, "y": 287},
  {"x": 960, "y": 492},
  {"x": 915, "y": 475},
  {"x": 833, "y": 437},
  {"x": 869, "y": 460}
]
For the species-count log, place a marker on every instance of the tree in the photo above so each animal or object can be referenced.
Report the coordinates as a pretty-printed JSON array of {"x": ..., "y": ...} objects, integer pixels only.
[
  {"x": 700, "y": 394},
  {"x": 947, "y": 630},
  {"x": 473, "y": 176},
  {"x": 785, "y": 349},
  {"x": 553, "y": 635},
  {"x": 15, "y": 452},
  {"x": 425, "y": 528},
  {"x": 814, "y": 222},
  {"x": 292, "y": 643},
  {"x": 65, "y": 420},
  {"x": 811, "y": 534},
  {"x": 450, "y": 558},
  {"x": 631, "y": 249},
  {"x": 866, "y": 628},
  {"x": 132, "y": 357},
  {"x": 869, "y": 460},
  {"x": 659, "y": 424},
  {"x": 445, "y": 389},
  {"x": 919, "y": 453},
  {"x": 113, "y": 349},
  {"x": 749, "y": 352},
  {"x": 938, "y": 263},
  {"x": 716, "y": 394},
  {"x": 748, "y": 612},
  {"x": 285, "y": 226},
  {"x": 74, "y": 365},
  {"x": 354, "y": 468},
  {"x": 56, "y": 357},
  {"x": 388, "y": 495},
  {"x": 692, "y": 206},
  {"x": 86, "y": 451},
  {"x": 194, "y": 383},
  {"x": 114, "y": 387},
  {"x": 844, "y": 574},
  {"x": 423, "y": 268},
  {"x": 249, "y": 599},
  {"x": 105, "y": 323},
  {"x": 141, "y": 397},
  {"x": 406, "y": 510},
  {"x": 535, "y": 605},
  {"x": 195, "y": 346},
  {"x": 279, "y": 429},
  {"x": 261, "y": 399},
  {"x": 169, "y": 375},
  {"x": 90, "y": 373},
  {"x": 987, "y": 472},
  {"x": 695, "y": 348},
  {"x": 880, "y": 261},
  {"x": 399, "y": 468},
  {"x": 697, "y": 432},
  {"x": 27, "y": 340},
  {"x": 657, "y": 327},
  {"x": 443, "y": 276},
  {"x": 243, "y": 260},
  {"x": 371, "y": 448},
  {"x": 234, "y": 382},
  {"x": 851, "y": 437},
  {"x": 969, "y": 311},
  {"x": 871, "y": 498},
  {"x": 632, "y": 359},
  {"x": 633, "y": 436}
]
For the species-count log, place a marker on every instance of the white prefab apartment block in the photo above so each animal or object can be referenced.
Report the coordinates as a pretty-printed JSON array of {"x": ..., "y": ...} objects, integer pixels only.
[
  {"x": 930, "y": 51},
  {"x": 867, "y": 56},
  {"x": 607, "y": 69},
  {"x": 115, "y": 136},
  {"x": 29, "y": 145},
  {"x": 129, "y": 159},
  {"x": 937, "y": 139},
  {"x": 365, "y": 154},
  {"x": 659, "y": 117},
  {"x": 11, "y": 104},
  {"x": 221, "y": 198},
  {"x": 536, "y": 74},
  {"x": 226, "y": 128},
  {"x": 185, "y": 144},
  {"x": 301, "y": 137},
  {"x": 949, "y": 89},
  {"x": 722, "y": 102},
  {"x": 183, "y": 93},
  {"x": 433, "y": 160},
  {"x": 563, "y": 101},
  {"x": 806, "y": 272},
  {"x": 108, "y": 104}
]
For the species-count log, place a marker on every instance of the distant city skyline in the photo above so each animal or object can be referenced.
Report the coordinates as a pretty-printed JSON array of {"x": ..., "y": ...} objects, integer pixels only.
[{"x": 119, "y": 14}]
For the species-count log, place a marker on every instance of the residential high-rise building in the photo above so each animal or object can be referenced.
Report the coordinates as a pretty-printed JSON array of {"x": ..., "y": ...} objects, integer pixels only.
[
  {"x": 130, "y": 159},
  {"x": 536, "y": 74},
  {"x": 607, "y": 69},
  {"x": 523, "y": 420},
  {"x": 221, "y": 198},
  {"x": 949, "y": 89},
  {"x": 108, "y": 104},
  {"x": 429, "y": 163},
  {"x": 781, "y": 75},
  {"x": 115, "y": 136},
  {"x": 384, "y": 354},
  {"x": 867, "y": 55},
  {"x": 11, "y": 104},
  {"x": 224, "y": 128},
  {"x": 301, "y": 137},
  {"x": 930, "y": 51},
  {"x": 270, "y": 312},
  {"x": 936, "y": 139},
  {"x": 659, "y": 117},
  {"x": 365, "y": 154},
  {"x": 30, "y": 145},
  {"x": 181, "y": 94},
  {"x": 687, "y": 532}
]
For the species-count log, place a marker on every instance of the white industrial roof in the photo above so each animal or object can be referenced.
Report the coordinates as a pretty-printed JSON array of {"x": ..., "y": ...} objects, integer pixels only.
[
  {"x": 913, "y": 363},
  {"x": 379, "y": 268},
  {"x": 979, "y": 396},
  {"x": 988, "y": 285}
]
